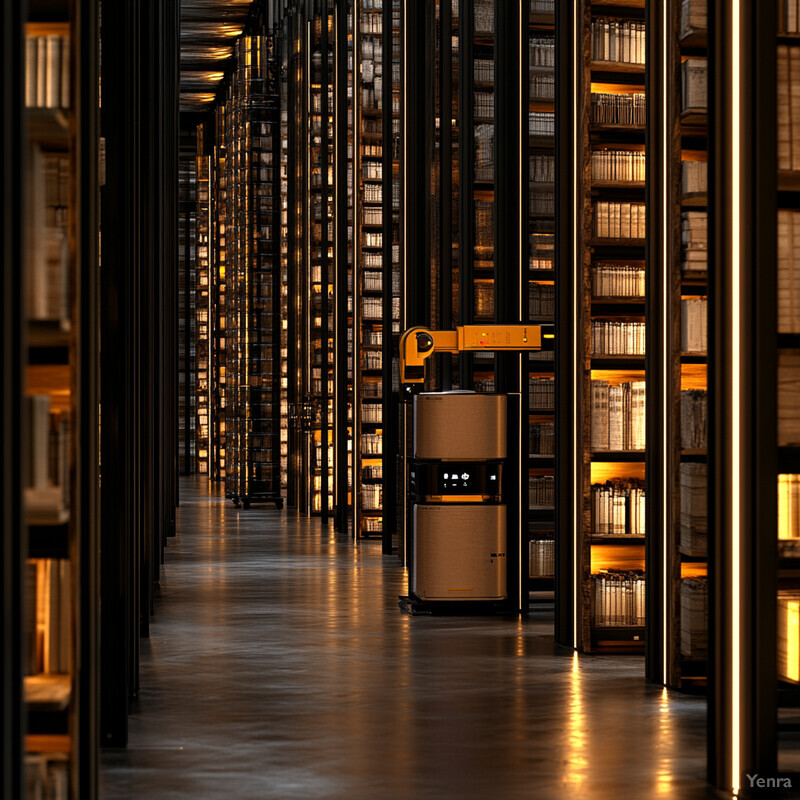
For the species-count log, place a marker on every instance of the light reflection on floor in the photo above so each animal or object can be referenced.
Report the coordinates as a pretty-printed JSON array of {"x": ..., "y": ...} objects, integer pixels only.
[{"x": 279, "y": 666}]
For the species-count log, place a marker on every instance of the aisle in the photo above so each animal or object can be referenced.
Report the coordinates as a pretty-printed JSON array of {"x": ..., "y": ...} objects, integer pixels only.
[{"x": 280, "y": 667}]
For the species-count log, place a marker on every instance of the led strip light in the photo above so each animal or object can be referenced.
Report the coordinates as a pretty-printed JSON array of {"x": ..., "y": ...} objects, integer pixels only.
[
  {"x": 665, "y": 316},
  {"x": 577, "y": 454},
  {"x": 736, "y": 388}
]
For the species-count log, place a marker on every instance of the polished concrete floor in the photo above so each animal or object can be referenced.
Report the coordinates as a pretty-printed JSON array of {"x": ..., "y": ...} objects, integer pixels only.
[{"x": 279, "y": 666}]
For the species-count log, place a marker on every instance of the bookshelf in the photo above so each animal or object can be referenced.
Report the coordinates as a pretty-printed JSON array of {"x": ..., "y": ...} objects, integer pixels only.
[
  {"x": 218, "y": 301},
  {"x": 538, "y": 248},
  {"x": 202, "y": 297},
  {"x": 321, "y": 278},
  {"x": 284, "y": 259},
  {"x": 57, "y": 399},
  {"x": 252, "y": 346},
  {"x": 677, "y": 346},
  {"x": 602, "y": 362},
  {"x": 373, "y": 245}
]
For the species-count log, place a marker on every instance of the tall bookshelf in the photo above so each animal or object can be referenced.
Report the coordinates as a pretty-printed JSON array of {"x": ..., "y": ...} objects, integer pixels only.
[
  {"x": 538, "y": 248},
  {"x": 606, "y": 303},
  {"x": 201, "y": 305},
  {"x": 218, "y": 301},
  {"x": 372, "y": 91},
  {"x": 59, "y": 262},
  {"x": 253, "y": 288},
  {"x": 320, "y": 244},
  {"x": 677, "y": 345},
  {"x": 283, "y": 44}
]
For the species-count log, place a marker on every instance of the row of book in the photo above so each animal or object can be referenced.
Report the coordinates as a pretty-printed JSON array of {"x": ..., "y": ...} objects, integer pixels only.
[
  {"x": 694, "y": 618},
  {"x": 694, "y": 419},
  {"x": 619, "y": 109},
  {"x": 788, "y": 85},
  {"x": 618, "y": 165},
  {"x": 484, "y": 104},
  {"x": 484, "y": 152},
  {"x": 541, "y": 168},
  {"x": 789, "y": 635},
  {"x": 542, "y": 438},
  {"x": 618, "y": 280},
  {"x": 694, "y": 177},
  {"x": 371, "y": 497},
  {"x": 541, "y": 558},
  {"x": 46, "y": 776},
  {"x": 48, "y": 261},
  {"x": 541, "y": 491},
  {"x": 694, "y": 325},
  {"x": 619, "y": 598},
  {"x": 789, "y": 16},
  {"x": 541, "y": 51},
  {"x": 374, "y": 471},
  {"x": 483, "y": 70},
  {"x": 542, "y": 86},
  {"x": 541, "y": 393},
  {"x": 372, "y": 359},
  {"x": 542, "y": 202},
  {"x": 618, "y": 337},
  {"x": 484, "y": 16},
  {"x": 788, "y": 271},
  {"x": 614, "y": 220},
  {"x": 48, "y": 639},
  {"x": 371, "y": 413},
  {"x": 541, "y": 123},
  {"x": 788, "y": 506},
  {"x": 694, "y": 85},
  {"x": 788, "y": 397},
  {"x": 618, "y": 508},
  {"x": 541, "y": 299},
  {"x": 619, "y": 40},
  {"x": 618, "y": 415},
  {"x": 371, "y": 444},
  {"x": 46, "y": 481},
  {"x": 694, "y": 241},
  {"x": 47, "y": 71},
  {"x": 693, "y": 523}
]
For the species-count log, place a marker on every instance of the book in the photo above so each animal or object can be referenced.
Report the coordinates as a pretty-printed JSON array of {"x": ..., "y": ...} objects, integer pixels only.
[
  {"x": 694, "y": 177},
  {"x": 694, "y": 85},
  {"x": 541, "y": 558},
  {"x": 694, "y": 17},
  {"x": 694, "y": 324},
  {"x": 694, "y": 618},
  {"x": 618, "y": 508},
  {"x": 694, "y": 419},
  {"x": 693, "y": 489},
  {"x": 619, "y": 598},
  {"x": 617, "y": 416}
]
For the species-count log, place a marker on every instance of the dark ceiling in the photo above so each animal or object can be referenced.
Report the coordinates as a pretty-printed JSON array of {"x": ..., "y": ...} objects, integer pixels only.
[{"x": 209, "y": 29}]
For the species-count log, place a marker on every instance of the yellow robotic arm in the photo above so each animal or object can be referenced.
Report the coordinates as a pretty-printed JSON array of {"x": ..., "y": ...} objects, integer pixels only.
[{"x": 416, "y": 344}]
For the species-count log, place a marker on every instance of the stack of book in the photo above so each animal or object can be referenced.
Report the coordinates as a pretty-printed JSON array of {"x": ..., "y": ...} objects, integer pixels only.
[
  {"x": 618, "y": 280},
  {"x": 694, "y": 241},
  {"x": 619, "y": 598},
  {"x": 542, "y": 558},
  {"x": 694, "y": 618},
  {"x": 371, "y": 412},
  {"x": 618, "y": 40},
  {"x": 694, "y": 85},
  {"x": 373, "y": 281},
  {"x": 788, "y": 271},
  {"x": 693, "y": 484},
  {"x": 694, "y": 177},
  {"x": 543, "y": 86},
  {"x": 371, "y": 444},
  {"x": 373, "y": 471},
  {"x": 694, "y": 325},
  {"x": 618, "y": 337},
  {"x": 541, "y": 300},
  {"x": 694, "y": 18},
  {"x": 542, "y": 437},
  {"x": 618, "y": 165},
  {"x": 541, "y": 393},
  {"x": 619, "y": 109},
  {"x": 613, "y": 220},
  {"x": 541, "y": 50},
  {"x": 618, "y": 416},
  {"x": 788, "y": 398},
  {"x": 47, "y": 71},
  {"x": 618, "y": 508},
  {"x": 541, "y": 491}
]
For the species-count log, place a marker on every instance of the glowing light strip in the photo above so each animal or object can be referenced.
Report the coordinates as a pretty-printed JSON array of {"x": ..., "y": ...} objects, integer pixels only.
[
  {"x": 665, "y": 394},
  {"x": 577, "y": 486},
  {"x": 736, "y": 388}
]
